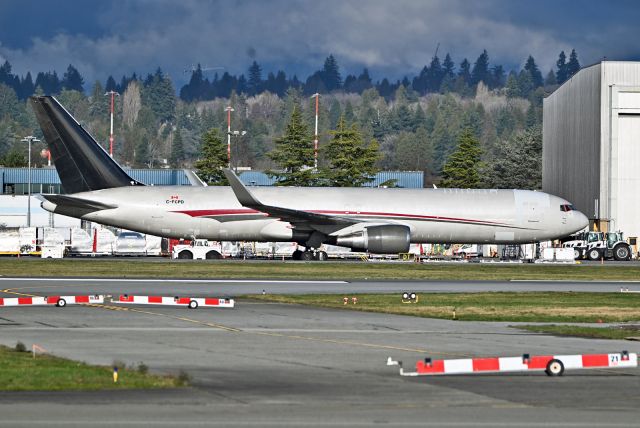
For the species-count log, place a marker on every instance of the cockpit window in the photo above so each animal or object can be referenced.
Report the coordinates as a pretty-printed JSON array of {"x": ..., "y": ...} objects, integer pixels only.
[{"x": 566, "y": 207}]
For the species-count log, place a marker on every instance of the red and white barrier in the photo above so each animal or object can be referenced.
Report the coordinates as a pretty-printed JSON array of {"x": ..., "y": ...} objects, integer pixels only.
[
  {"x": 190, "y": 302},
  {"x": 553, "y": 365},
  {"x": 59, "y": 301}
]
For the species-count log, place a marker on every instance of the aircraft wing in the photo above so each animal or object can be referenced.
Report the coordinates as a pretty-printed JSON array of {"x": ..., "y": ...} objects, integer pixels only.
[{"x": 298, "y": 218}]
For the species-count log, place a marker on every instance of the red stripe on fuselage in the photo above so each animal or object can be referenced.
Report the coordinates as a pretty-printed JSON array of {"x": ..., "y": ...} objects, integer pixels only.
[{"x": 246, "y": 211}]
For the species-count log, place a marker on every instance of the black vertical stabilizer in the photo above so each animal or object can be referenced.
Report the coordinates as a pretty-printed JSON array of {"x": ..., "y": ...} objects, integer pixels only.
[{"x": 82, "y": 164}]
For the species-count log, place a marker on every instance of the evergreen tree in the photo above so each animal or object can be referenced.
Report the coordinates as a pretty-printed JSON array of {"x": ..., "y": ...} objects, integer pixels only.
[
  {"x": 419, "y": 83},
  {"x": 98, "y": 103},
  {"x": 254, "y": 83},
  {"x": 497, "y": 77},
  {"x": 280, "y": 84},
  {"x": 110, "y": 84},
  {"x": 512, "y": 87},
  {"x": 532, "y": 68},
  {"x": 518, "y": 165},
  {"x": 213, "y": 159},
  {"x": 525, "y": 83},
  {"x": 49, "y": 82},
  {"x": 141, "y": 155},
  {"x": 561, "y": 64},
  {"x": 349, "y": 114},
  {"x": 14, "y": 159},
  {"x": 26, "y": 87},
  {"x": 196, "y": 89},
  {"x": 177, "y": 149},
  {"x": 331, "y": 74},
  {"x": 6, "y": 77},
  {"x": 435, "y": 74},
  {"x": 352, "y": 162},
  {"x": 159, "y": 95},
  {"x": 480, "y": 72},
  {"x": 573, "y": 66},
  {"x": 448, "y": 66},
  {"x": 293, "y": 153},
  {"x": 72, "y": 80},
  {"x": 550, "y": 80},
  {"x": 462, "y": 169},
  {"x": 465, "y": 72}
]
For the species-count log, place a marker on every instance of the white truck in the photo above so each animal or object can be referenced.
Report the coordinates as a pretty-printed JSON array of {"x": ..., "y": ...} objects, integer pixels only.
[{"x": 198, "y": 249}]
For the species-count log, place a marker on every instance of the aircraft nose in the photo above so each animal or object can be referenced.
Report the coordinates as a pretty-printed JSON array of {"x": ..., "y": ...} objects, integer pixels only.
[{"x": 580, "y": 221}]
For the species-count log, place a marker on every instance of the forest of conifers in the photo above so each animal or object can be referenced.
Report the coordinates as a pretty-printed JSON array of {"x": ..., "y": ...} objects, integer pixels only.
[{"x": 417, "y": 122}]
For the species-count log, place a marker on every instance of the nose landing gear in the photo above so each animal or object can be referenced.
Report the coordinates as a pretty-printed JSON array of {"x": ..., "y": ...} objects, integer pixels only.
[{"x": 310, "y": 255}]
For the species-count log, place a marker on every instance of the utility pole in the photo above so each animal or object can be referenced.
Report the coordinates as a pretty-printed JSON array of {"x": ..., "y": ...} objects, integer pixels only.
[
  {"x": 113, "y": 94},
  {"x": 315, "y": 138},
  {"x": 237, "y": 134},
  {"x": 29, "y": 139},
  {"x": 229, "y": 109}
]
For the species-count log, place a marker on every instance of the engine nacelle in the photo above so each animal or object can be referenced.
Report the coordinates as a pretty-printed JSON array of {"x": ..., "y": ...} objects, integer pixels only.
[{"x": 383, "y": 239}]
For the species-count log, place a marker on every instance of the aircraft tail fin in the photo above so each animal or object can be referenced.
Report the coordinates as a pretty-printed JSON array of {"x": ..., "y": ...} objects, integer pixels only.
[{"x": 82, "y": 164}]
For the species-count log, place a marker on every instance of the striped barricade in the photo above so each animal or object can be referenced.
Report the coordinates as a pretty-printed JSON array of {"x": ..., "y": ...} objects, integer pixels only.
[
  {"x": 190, "y": 302},
  {"x": 553, "y": 365},
  {"x": 60, "y": 301}
]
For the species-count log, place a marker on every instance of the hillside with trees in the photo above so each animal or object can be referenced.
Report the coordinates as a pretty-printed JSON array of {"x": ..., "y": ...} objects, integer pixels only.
[{"x": 449, "y": 120}]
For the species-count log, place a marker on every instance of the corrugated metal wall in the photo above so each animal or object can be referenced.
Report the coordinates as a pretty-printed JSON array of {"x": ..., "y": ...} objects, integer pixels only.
[
  {"x": 406, "y": 179},
  {"x": 169, "y": 177},
  {"x": 571, "y": 140},
  {"x": 158, "y": 177},
  {"x": 618, "y": 74}
]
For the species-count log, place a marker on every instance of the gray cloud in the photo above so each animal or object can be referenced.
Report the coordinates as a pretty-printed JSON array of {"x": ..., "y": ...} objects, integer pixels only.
[{"x": 390, "y": 37}]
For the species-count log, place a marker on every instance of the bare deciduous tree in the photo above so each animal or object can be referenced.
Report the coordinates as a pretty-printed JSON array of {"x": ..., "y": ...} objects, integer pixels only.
[{"x": 131, "y": 104}]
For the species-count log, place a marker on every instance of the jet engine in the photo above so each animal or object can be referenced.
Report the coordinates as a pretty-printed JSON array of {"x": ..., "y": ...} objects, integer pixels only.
[{"x": 382, "y": 239}]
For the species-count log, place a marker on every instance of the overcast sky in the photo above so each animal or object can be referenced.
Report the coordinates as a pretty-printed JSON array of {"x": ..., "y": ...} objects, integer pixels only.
[{"x": 391, "y": 37}]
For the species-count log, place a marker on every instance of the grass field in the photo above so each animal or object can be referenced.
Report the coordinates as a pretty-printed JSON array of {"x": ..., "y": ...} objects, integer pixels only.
[
  {"x": 581, "y": 331},
  {"x": 21, "y": 372},
  {"x": 314, "y": 270},
  {"x": 508, "y": 306}
]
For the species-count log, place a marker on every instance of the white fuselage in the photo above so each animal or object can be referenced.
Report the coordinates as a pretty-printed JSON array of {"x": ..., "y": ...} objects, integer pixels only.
[{"x": 433, "y": 215}]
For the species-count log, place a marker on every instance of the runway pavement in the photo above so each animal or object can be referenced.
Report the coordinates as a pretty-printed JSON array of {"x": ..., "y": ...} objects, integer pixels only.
[
  {"x": 265, "y": 364},
  {"x": 252, "y": 286}
]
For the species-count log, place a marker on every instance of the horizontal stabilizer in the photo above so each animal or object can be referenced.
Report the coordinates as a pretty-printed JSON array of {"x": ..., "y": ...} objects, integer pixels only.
[{"x": 72, "y": 206}]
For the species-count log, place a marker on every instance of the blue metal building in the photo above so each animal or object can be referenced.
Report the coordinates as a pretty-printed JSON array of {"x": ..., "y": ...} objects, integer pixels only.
[{"x": 13, "y": 181}]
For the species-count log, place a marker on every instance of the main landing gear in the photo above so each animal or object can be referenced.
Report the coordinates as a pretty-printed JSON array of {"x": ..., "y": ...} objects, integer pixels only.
[{"x": 310, "y": 255}]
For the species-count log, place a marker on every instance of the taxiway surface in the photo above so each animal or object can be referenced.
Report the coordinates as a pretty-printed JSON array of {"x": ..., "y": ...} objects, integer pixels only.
[{"x": 265, "y": 364}]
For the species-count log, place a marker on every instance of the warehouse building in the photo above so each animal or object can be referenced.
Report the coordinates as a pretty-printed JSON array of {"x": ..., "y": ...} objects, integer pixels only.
[{"x": 591, "y": 144}]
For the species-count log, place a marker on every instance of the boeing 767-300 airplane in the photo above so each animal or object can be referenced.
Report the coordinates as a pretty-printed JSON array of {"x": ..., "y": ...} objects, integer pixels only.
[{"x": 97, "y": 189}]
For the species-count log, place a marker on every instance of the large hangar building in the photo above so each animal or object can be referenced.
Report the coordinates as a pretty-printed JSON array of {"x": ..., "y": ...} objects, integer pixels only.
[{"x": 591, "y": 144}]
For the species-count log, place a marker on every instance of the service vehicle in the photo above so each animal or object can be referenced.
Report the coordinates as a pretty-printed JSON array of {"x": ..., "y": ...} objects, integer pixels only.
[
  {"x": 599, "y": 245},
  {"x": 198, "y": 249}
]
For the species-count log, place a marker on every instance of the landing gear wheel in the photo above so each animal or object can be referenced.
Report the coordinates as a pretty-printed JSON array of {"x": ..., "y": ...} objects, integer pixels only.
[
  {"x": 297, "y": 255},
  {"x": 307, "y": 256},
  {"x": 61, "y": 303},
  {"x": 554, "y": 368},
  {"x": 185, "y": 255},
  {"x": 621, "y": 252},
  {"x": 594, "y": 254},
  {"x": 321, "y": 256},
  {"x": 193, "y": 304},
  {"x": 213, "y": 255}
]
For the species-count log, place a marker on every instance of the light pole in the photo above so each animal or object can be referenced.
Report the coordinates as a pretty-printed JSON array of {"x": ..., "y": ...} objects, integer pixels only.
[
  {"x": 236, "y": 134},
  {"x": 315, "y": 138},
  {"x": 113, "y": 94},
  {"x": 229, "y": 109},
  {"x": 29, "y": 139}
]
